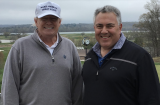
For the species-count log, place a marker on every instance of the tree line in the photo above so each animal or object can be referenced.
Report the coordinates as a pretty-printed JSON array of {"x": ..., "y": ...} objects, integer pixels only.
[{"x": 28, "y": 28}]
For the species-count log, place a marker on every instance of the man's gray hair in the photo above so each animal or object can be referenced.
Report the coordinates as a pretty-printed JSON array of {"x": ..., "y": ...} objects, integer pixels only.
[{"x": 108, "y": 9}]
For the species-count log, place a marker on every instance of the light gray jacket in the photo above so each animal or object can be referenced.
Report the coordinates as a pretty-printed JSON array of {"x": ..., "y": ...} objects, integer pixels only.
[{"x": 31, "y": 77}]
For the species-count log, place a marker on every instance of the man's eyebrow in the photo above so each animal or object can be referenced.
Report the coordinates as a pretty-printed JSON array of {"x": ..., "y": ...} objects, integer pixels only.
[
  {"x": 111, "y": 24},
  {"x": 98, "y": 24},
  {"x": 106, "y": 24}
]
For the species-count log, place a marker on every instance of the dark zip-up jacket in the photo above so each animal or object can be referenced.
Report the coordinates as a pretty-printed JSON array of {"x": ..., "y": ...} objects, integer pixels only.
[{"x": 127, "y": 77}]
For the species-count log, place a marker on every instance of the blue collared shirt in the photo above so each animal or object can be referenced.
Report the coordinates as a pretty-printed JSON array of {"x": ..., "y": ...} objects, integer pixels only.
[{"x": 97, "y": 49}]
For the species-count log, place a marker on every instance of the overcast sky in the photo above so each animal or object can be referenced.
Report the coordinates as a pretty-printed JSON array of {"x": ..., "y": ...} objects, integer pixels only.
[{"x": 72, "y": 11}]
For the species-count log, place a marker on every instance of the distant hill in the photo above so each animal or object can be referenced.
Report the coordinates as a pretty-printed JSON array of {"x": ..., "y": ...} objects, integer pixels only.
[
  {"x": 29, "y": 28},
  {"x": 1, "y": 26}
]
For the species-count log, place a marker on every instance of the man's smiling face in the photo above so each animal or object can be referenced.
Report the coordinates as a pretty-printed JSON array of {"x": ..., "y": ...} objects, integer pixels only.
[
  {"x": 107, "y": 30},
  {"x": 48, "y": 25}
]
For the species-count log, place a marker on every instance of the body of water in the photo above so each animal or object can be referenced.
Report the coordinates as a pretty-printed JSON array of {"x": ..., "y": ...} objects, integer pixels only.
[
  {"x": 59, "y": 32},
  {"x": 68, "y": 32},
  {"x": 6, "y": 41}
]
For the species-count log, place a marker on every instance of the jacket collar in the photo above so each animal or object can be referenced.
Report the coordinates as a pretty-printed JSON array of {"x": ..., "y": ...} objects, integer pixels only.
[{"x": 36, "y": 38}]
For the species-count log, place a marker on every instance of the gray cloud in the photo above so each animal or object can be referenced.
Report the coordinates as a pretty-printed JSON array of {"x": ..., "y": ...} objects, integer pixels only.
[{"x": 73, "y": 11}]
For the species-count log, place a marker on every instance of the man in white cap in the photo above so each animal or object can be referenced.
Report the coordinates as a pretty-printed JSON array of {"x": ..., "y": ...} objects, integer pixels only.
[{"x": 43, "y": 68}]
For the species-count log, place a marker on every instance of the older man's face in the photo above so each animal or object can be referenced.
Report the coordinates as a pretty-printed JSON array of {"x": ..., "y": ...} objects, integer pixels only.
[
  {"x": 48, "y": 25},
  {"x": 107, "y": 30}
]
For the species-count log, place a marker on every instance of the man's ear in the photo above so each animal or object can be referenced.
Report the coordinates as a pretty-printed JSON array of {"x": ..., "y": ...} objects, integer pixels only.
[
  {"x": 60, "y": 20},
  {"x": 35, "y": 21},
  {"x": 120, "y": 26},
  {"x": 94, "y": 26}
]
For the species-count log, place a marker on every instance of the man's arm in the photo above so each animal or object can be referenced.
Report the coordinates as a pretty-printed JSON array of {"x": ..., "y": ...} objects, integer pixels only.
[
  {"x": 11, "y": 79},
  {"x": 77, "y": 82},
  {"x": 148, "y": 84}
]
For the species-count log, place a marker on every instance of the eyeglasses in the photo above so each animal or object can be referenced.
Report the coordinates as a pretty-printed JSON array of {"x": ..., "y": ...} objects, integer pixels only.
[{"x": 49, "y": 19}]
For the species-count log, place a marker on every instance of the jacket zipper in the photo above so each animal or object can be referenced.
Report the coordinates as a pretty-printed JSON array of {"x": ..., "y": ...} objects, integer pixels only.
[
  {"x": 52, "y": 58},
  {"x": 100, "y": 68},
  {"x": 97, "y": 73},
  {"x": 54, "y": 49}
]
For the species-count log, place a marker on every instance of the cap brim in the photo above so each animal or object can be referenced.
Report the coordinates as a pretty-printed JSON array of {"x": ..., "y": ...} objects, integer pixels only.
[{"x": 45, "y": 14}]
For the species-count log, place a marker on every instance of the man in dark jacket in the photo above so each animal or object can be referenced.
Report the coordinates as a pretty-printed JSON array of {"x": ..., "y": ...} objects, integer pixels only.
[{"x": 117, "y": 71}]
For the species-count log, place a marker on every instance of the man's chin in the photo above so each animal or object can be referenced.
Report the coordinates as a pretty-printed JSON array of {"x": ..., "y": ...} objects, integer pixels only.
[
  {"x": 106, "y": 45},
  {"x": 49, "y": 34}
]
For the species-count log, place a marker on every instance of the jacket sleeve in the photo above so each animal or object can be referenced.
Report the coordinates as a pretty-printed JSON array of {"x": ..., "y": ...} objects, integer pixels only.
[
  {"x": 11, "y": 79},
  {"x": 148, "y": 82},
  {"x": 77, "y": 82}
]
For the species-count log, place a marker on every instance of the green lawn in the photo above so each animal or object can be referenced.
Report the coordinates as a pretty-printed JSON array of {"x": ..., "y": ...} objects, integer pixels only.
[
  {"x": 6, "y": 51},
  {"x": 6, "y": 48},
  {"x": 158, "y": 70},
  {"x": 1, "y": 73}
]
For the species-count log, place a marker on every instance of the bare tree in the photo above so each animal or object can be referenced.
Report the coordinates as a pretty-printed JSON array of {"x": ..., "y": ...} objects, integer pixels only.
[
  {"x": 6, "y": 34},
  {"x": 82, "y": 33},
  {"x": 150, "y": 23}
]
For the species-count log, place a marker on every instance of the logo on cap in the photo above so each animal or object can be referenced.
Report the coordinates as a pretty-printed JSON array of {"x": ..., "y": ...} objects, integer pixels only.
[{"x": 52, "y": 8}]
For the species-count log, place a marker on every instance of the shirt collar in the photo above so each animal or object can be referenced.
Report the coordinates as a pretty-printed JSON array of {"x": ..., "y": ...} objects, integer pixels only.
[
  {"x": 118, "y": 45},
  {"x": 53, "y": 46},
  {"x": 120, "y": 42}
]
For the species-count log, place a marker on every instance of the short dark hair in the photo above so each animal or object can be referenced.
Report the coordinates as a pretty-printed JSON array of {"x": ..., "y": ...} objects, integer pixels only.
[{"x": 107, "y": 9}]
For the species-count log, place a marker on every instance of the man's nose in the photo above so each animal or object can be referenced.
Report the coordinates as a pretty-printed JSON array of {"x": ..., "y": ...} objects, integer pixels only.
[
  {"x": 104, "y": 30},
  {"x": 49, "y": 21}
]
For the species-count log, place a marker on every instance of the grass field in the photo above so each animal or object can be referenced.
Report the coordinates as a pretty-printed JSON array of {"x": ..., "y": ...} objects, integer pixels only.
[
  {"x": 6, "y": 48},
  {"x": 1, "y": 74},
  {"x": 158, "y": 70}
]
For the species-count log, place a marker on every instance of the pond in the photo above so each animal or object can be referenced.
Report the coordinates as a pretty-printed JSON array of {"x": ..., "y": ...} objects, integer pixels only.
[{"x": 7, "y": 41}]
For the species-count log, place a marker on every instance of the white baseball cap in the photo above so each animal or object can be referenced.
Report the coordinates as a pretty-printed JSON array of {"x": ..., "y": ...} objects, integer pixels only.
[{"x": 47, "y": 8}]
